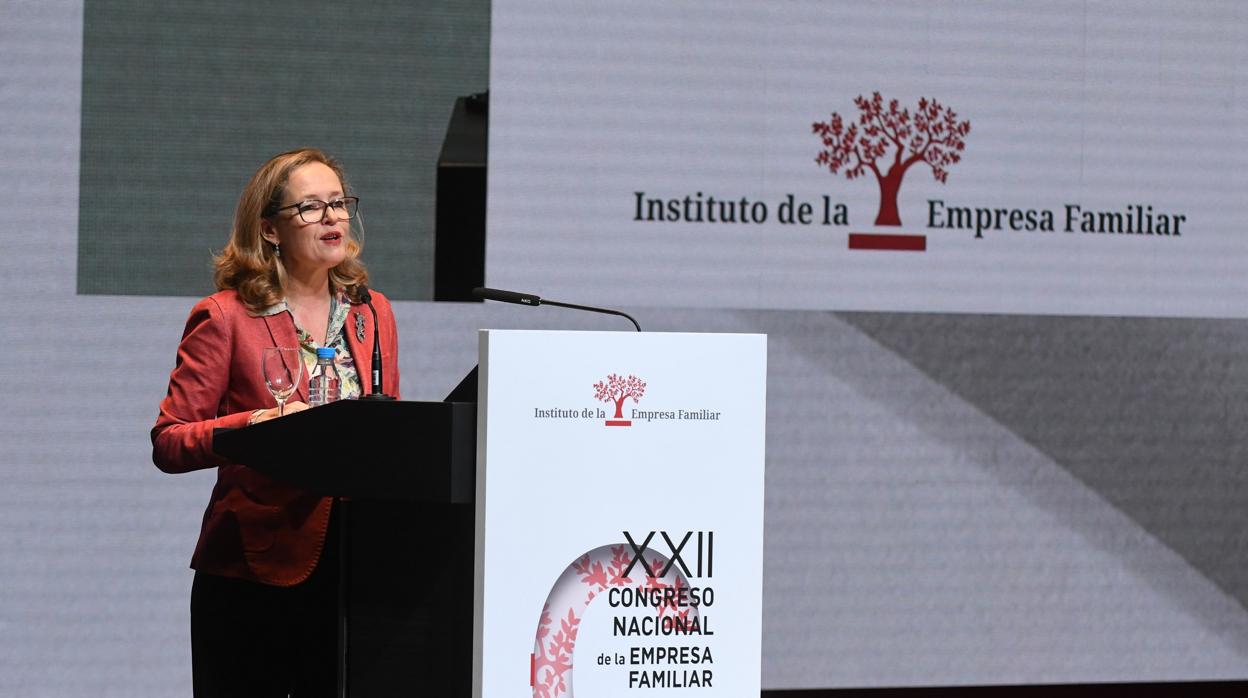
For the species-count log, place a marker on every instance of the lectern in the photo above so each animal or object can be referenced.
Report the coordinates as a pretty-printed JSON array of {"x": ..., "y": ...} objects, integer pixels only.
[
  {"x": 619, "y": 500},
  {"x": 406, "y": 470},
  {"x": 597, "y": 531}
]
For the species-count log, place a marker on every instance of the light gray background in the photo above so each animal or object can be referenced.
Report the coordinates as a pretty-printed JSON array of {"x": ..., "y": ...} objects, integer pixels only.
[
  {"x": 1097, "y": 104},
  {"x": 950, "y": 499}
]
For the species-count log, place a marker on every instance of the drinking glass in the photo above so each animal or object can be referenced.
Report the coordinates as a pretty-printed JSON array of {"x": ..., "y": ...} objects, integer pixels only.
[{"x": 283, "y": 369}]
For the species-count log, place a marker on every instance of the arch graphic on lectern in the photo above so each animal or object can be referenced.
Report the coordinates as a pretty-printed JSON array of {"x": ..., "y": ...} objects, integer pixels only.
[{"x": 590, "y": 576}]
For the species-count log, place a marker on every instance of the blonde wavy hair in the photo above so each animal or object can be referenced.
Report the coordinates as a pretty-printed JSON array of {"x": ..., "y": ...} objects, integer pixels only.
[{"x": 248, "y": 263}]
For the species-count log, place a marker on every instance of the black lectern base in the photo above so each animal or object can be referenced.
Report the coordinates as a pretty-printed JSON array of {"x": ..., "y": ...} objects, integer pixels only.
[{"x": 409, "y": 599}]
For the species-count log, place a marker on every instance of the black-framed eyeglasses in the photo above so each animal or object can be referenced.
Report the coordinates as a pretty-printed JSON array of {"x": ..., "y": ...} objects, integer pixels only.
[{"x": 313, "y": 210}]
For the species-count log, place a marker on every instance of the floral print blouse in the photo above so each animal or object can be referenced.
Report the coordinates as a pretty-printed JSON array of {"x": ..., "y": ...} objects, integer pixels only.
[{"x": 339, "y": 307}]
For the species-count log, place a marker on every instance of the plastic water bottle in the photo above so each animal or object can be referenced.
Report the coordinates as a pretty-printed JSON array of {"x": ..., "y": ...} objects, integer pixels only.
[{"x": 323, "y": 383}]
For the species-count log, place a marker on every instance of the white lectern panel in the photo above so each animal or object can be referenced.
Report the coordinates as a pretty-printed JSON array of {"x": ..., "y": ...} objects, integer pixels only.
[{"x": 619, "y": 514}]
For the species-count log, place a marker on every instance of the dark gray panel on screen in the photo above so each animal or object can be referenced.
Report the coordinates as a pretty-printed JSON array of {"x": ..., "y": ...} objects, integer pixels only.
[
  {"x": 182, "y": 101},
  {"x": 1148, "y": 412}
]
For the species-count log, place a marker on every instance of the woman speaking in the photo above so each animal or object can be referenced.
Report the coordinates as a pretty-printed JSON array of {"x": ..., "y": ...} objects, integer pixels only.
[{"x": 264, "y": 598}]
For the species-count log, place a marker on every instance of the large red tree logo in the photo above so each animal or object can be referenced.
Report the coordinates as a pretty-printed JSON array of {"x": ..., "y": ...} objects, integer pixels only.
[
  {"x": 888, "y": 141},
  {"x": 617, "y": 389}
]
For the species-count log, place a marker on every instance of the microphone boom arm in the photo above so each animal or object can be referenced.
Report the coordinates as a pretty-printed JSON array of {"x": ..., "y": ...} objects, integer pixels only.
[
  {"x": 494, "y": 294},
  {"x": 592, "y": 309}
]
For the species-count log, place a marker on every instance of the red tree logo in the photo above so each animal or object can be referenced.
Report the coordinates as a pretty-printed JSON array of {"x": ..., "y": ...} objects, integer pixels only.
[
  {"x": 895, "y": 139},
  {"x": 617, "y": 389}
]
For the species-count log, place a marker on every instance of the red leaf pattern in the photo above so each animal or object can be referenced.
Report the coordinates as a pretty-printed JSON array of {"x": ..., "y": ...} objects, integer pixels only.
[{"x": 583, "y": 581}]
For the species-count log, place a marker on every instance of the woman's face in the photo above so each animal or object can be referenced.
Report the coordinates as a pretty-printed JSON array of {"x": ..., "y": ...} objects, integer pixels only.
[{"x": 309, "y": 247}]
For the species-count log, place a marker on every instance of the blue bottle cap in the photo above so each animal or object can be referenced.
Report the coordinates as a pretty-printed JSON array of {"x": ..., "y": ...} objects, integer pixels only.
[{"x": 325, "y": 352}]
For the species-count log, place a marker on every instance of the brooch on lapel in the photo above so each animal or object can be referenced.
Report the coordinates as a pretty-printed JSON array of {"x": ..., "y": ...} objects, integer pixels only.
[{"x": 359, "y": 326}]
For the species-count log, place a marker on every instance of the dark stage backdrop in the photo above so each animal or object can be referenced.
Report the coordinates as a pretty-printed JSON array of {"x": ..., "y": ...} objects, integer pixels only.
[{"x": 181, "y": 102}]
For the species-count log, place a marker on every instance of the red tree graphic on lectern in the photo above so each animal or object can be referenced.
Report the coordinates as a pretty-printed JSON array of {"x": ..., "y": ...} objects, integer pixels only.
[
  {"x": 892, "y": 138},
  {"x": 617, "y": 389}
]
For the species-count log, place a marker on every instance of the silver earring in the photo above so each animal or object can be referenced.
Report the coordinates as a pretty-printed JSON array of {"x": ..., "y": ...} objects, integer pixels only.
[{"x": 277, "y": 250}]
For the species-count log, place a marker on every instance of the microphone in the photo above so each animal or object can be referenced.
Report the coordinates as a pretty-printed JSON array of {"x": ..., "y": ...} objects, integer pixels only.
[
  {"x": 377, "y": 393},
  {"x": 495, "y": 294}
]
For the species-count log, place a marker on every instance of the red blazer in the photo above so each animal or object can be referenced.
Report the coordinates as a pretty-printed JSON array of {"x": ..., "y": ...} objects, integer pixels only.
[{"x": 255, "y": 527}]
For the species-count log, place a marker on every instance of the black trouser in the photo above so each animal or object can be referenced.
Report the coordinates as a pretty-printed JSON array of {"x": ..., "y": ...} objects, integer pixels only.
[{"x": 252, "y": 639}]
